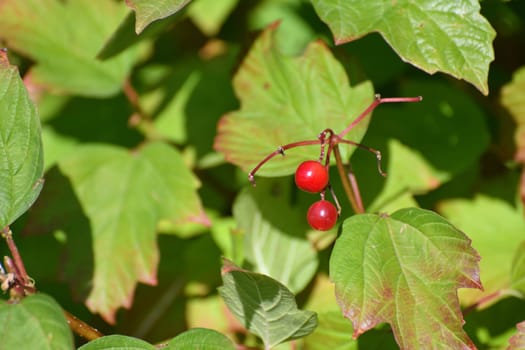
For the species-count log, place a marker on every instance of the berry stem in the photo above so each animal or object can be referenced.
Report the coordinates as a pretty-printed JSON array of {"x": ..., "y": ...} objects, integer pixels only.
[
  {"x": 349, "y": 183},
  {"x": 280, "y": 151},
  {"x": 377, "y": 101}
]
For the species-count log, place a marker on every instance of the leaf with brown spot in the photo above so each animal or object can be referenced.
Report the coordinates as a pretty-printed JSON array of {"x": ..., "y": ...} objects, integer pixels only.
[{"x": 405, "y": 270}]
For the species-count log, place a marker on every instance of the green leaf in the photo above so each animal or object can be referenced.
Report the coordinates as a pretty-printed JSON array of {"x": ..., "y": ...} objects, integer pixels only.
[
  {"x": 267, "y": 220},
  {"x": 125, "y": 195},
  {"x": 512, "y": 98},
  {"x": 202, "y": 339},
  {"x": 285, "y": 100},
  {"x": 264, "y": 306},
  {"x": 431, "y": 35},
  {"x": 497, "y": 230},
  {"x": 517, "y": 341},
  {"x": 333, "y": 332},
  {"x": 148, "y": 11},
  {"x": 209, "y": 15},
  {"x": 397, "y": 269},
  {"x": 37, "y": 322},
  {"x": 517, "y": 275},
  {"x": 21, "y": 155},
  {"x": 63, "y": 37},
  {"x": 117, "y": 342}
]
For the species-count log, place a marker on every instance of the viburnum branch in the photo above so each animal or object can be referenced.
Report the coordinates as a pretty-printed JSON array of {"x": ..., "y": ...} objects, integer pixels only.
[
  {"x": 280, "y": 150},
  {"x": 377, "y": 153},
  {"x": 349, "y": 183},
  {"x": 81, "y": 328},
  {"x": 377, "y": 101},
  {"x": 18, "y": 264}
]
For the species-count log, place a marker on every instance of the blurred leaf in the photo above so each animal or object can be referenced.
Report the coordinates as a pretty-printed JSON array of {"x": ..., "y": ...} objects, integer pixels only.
[
  {"x": 333, "y": 332},
  {"x": 496, "y": 230},
  {"x": 21, "y": 154},
  {"x": 275, "y": 241},
  {"x": 147, "y": 11},
  {"x": 285, "y": 100},
  {"x": 493, "y": 326},
  {"x": 64, "y": 38},
  {"x": 294, "y": 32},
  {"x": 177, "y": 102},
  {"x": 430, "y": 34},
  {"x": 518, "y": 269},
  {"x": 379, "y": 276},
  {"x": 209, "y": 15},
  {"x": 408, "y": 173},
  {"x": 125, "y": 195},
  {"x": 264, "y": 306},
  {"x": 37, "y": 322},
  {"x": 125, "y": 35},
  {"x": 517, "y": 341},
  {"x": 117, "y": 342},
  {"x": 512, "y": 98},
  {"x": 201, "y": 339},
  {"x": 229, "y": 239}
]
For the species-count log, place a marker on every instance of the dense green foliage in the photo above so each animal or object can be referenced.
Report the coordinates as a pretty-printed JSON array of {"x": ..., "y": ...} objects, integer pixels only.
[{"x": 128, "y": 130}]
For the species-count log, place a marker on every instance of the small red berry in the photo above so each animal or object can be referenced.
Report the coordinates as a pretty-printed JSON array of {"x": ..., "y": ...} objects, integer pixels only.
[
  {"x": 322, "y": 215},
  {"x": 311, "y": 176}
]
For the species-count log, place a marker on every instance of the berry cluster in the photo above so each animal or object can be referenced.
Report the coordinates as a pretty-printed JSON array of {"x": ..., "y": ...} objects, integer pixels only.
[{"x": 312, "y": 176}]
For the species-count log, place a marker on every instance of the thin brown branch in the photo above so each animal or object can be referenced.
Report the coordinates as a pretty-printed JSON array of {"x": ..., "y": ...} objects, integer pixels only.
[
  {"x": 19, "y": 267},
  {"x": 133, "y": 98},
  {"x": 81, "y": 328},
  {"x": 348, "y": 186}
]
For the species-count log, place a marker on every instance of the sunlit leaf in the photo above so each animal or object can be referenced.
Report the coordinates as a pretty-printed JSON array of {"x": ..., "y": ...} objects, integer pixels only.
[
  {"x": 497, "y": 230},
  {"x": 125, "y": 195},
  {"x": 397, "y": 269},
  {"x": 518, "y": 269},
  {"x": 285, "y": 100},
  {"x": 202, "y": 339},
  {"x": 512, "y": 98},
  {"x": 264, "y": 306},
  {"x": 148, "y": 11},
  {"x": 63, "y": 37},
  {"x": 21, "y": 155},
  {"x": 432, "y": 35},
  {"x": 209, "y": 15},
  {"x": 275, "y": 241},
  {"x": 117, "y": 342},
  {"x": 37, "y": 322}
]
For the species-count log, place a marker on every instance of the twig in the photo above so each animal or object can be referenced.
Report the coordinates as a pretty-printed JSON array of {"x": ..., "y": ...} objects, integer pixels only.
[
  {"x": 81, "y": 328},
  {"x": 351, "y": 189},
  {"x": 18, "y": 263}
]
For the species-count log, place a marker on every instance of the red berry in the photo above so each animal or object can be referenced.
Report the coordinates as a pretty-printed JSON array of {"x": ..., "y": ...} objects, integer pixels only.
[
  {"x": 311, "y": 176},
  {"x": 322, "y": 215}
]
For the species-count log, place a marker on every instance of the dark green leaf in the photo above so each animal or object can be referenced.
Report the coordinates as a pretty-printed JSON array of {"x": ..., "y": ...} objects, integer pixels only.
[
  {"x": 264, "y": 306},
  {"x": 432, "y": 35},
  {"x": 21, "y": 155},
  {"x": 37, "y": 322},
  {"x": 117, "y": 342},
  {"x": 201, "y": 339},
  {"x": 397, "y": 269}
]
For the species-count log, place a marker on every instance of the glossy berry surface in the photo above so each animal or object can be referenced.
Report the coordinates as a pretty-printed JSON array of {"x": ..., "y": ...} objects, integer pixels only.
[
  {"x": 311, "y": 176},
  {"x": 322, "y": 215}
]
